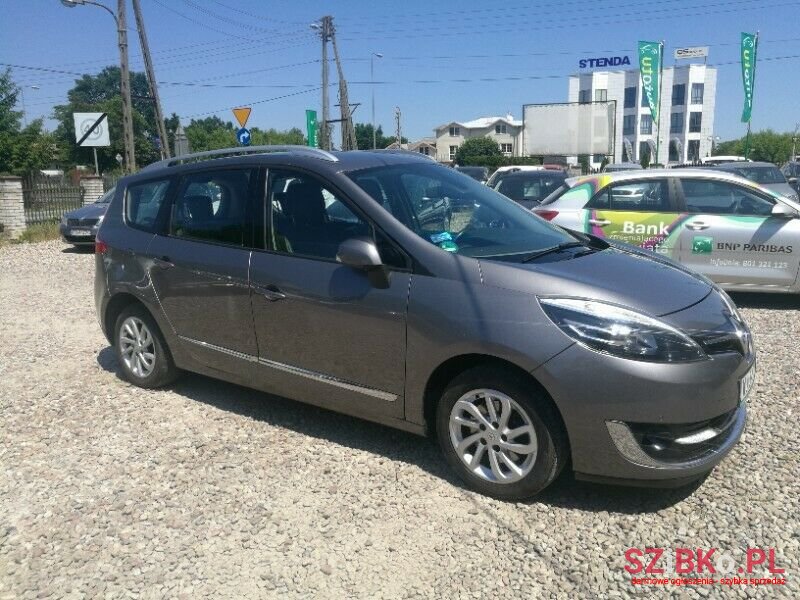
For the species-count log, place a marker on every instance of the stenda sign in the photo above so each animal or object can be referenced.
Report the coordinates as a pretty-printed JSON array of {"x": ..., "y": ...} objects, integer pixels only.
[
  {"x": 693, "y": 52},
  {"x": 611, "y": 61}
]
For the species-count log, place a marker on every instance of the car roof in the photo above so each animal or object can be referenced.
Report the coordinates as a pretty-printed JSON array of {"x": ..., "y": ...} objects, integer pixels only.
[
  {"x": 304, "y": 156},
  {"x": 615, "y": 176},
  {"x": 740, "y": 164},
  {"x": 532, "y": 174}
]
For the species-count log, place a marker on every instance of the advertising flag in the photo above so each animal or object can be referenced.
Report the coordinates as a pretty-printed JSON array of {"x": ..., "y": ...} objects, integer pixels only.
[
  {"x": 749, "y": 47},
  {"x": 311, "y": 128},
  {"x": 650, "y": 57}
]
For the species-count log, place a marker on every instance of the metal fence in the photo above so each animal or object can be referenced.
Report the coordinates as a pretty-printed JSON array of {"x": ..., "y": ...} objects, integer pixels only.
[
  {"x": 109, "y": 181},
  {"x": 46, "y": 199}
]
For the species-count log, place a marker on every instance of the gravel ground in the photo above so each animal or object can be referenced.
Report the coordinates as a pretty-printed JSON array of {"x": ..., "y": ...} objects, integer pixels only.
[{"x": 209, "y": 490}]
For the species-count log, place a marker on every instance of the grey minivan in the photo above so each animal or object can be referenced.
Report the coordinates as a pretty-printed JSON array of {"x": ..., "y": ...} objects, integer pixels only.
[{"x": 397, "y": 290}]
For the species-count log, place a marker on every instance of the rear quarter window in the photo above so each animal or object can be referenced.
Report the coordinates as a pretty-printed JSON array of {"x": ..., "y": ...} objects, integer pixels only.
[
  {"x": 578, "y": 195},
  {"x": 143, "y": 203}
]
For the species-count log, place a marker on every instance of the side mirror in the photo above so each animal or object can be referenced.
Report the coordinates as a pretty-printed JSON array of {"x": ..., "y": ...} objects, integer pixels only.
[
  {"x": 781, "y": 210},
  {"x": 792, "y": 181},
  {"x": 362, "y": 254}
]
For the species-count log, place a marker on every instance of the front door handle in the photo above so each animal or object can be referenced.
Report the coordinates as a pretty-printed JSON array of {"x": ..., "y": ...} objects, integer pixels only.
[
  {"x": 697, "y": 226},
  {"x": 599, "y": 222},
  {"x": 271, "y": 292}
]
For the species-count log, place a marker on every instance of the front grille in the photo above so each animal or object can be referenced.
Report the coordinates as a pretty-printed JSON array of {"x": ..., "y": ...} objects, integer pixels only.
[{"x": 89, "y": 222}]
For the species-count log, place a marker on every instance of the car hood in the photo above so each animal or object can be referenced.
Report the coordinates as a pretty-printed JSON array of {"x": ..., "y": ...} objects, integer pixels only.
[
  {"x": 88, "y": 211},
  {"x": 620, "y": 274}
]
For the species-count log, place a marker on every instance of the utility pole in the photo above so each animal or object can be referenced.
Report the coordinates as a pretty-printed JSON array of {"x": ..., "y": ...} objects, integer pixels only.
[
  {"x": 397, "y": 131},
  {"x": 151, "y": 79},
  {"x": 125, "y": 88},
  {"x": 324, "y": 27},
  {"x": 794, "y": 142},
  {"x": 348, "y": 132}
]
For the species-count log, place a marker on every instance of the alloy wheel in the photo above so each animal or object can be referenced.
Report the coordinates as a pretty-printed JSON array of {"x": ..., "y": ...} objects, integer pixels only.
[
  {"x": 493, "y": 436},
  {"x": 137, "y": 347}
]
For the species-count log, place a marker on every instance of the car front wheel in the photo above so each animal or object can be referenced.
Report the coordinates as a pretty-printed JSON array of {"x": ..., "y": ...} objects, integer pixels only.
[{"x": 500, "y": 434}]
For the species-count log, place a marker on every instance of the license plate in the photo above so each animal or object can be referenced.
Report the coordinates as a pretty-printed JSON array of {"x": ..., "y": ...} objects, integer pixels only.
[
  {"x": 746, "y": 383},
  {"x": 80, "y": 232}
]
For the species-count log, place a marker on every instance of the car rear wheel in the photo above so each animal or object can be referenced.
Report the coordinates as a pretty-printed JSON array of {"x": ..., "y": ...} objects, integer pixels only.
[
  {"x": 500, "y": 433},
  {"x": 141, "y": 350}
]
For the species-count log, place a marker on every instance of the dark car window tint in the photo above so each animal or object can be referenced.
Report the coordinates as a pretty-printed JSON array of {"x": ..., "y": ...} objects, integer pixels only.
[
  {"x": 212, "y": 206},
  {"x": 722, "y": 198},
  {"x": 531, "y": 188},
  {"x": 763, "y": 175},
  {"x": 308, "y": 219},
  {"x": 143, "y": 202},
  {"x": 643, "y": 196}
]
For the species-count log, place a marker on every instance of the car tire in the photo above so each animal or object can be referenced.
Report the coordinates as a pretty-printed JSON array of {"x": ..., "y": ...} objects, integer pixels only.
[
  {"x": 142, "y": 353},
  {"x": 464, "y": 424}
]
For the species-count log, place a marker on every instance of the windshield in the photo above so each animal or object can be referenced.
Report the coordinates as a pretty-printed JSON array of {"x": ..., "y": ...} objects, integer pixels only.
[
  {"x": 761, "y": 174},
  {"x": 106, "y": 198},
  {"x": 457, "y": 214}
]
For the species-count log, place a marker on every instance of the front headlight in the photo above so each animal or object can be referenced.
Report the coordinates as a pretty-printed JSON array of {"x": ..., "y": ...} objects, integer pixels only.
[
  {"x": 99, "y": 220},
  {"x": 620, "y": 331}
]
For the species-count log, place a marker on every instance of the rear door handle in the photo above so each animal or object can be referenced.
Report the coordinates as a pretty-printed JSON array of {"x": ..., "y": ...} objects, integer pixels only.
[
  {"x": 697, "y": 226},
  {"x": 163, "y": 262},
  {"x": 599, "y": 222},
  {"x": 271, "y": 292}
]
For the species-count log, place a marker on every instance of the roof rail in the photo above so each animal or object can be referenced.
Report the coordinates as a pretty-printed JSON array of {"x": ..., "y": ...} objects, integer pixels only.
[{"x": 242, "y": 151}]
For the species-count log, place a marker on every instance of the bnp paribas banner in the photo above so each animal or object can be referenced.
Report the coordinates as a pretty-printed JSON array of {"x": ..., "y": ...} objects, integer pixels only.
[
  {"x": 749, "y": 47},
  {"x": 650, "y": 56}
]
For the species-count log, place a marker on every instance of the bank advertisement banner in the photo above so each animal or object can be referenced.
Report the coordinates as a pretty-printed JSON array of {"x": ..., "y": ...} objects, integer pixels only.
[
  {"x": 749, "y": 47},
  {"x": 650, "y": 57}
]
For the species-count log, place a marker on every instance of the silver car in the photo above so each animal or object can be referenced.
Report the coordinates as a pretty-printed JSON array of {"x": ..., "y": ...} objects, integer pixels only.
[
  {"x": 762, "y": 173},
  {"x": 741, "y": 235},
  {"x": 79, "y": 227}
]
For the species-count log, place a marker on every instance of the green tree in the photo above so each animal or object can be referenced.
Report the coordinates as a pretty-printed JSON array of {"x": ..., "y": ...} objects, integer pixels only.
[
  {"x": 21, "y": 149},
  {"x": 211, "y": 133},
  {"x": 475, "y": 151},
  {"x": 766, "y": 145},
  {"x": 364, "y": 137}
]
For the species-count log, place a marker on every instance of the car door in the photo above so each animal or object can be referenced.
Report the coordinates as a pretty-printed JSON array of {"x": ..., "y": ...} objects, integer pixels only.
[
  {"x": 200, "y": 265},
  {"x": 638, "y": 212},
  {"x": 325, "y": 334},
  {"x": 731, "y": 236}
]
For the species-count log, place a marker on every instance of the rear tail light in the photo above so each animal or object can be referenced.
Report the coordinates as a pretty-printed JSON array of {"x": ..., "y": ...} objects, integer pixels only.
[
  {"x": 547, "y": 215},
  {"x": 100, "y": 247}
]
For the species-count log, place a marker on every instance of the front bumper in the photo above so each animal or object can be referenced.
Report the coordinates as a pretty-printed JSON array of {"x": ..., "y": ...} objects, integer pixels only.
[
  {"x": 651, "y": 422},
  {"x": 82, "y": 240}
]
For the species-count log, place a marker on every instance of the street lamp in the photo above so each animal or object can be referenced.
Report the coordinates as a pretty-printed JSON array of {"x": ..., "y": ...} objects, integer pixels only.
[
  {"x": 22, "y": 100},
  {"x": 372, "y": 57},
  {"x": 125, "y": 82}
]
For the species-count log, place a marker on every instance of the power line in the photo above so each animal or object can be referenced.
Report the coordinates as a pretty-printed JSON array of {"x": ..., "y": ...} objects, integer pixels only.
[{"x": 251, "y": 103}]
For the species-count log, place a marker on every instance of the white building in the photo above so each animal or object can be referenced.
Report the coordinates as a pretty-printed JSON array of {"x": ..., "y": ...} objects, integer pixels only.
[
  {"x": 506, "y": 131},
  {"x": 688, "y": 96}
]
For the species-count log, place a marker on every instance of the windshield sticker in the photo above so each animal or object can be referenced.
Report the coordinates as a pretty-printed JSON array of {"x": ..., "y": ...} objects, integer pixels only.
[
  {"x": 448, "y": 245},
  {"x": 444, "y": 236}
]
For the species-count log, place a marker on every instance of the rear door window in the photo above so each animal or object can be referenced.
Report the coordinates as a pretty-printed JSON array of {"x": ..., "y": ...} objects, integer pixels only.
[
  {"x": 143, "y": 202},
  {"x": 706, "y": 196},
  {"x": 213, "y": 206},
  {"x": 651, "y": 195}
]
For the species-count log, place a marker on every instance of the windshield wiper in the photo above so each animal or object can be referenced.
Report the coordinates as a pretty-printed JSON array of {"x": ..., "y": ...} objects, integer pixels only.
[{"x": 560, "y": 247}]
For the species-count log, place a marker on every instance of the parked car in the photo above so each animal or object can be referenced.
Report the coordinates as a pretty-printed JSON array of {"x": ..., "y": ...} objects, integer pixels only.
[
  {"x": 521, "y": 346},
  {"x": 764, "y": 173},
  {"x": 512, "y": 169},
  {"x": 629, "y": 166},
  {"x": 79, "y": 227},
  {"x": 791, "y": 171},
  {"x": 741, "y": 235},
  {"x": 477, "y": 173},
  {"x": 528, "y": 188}
]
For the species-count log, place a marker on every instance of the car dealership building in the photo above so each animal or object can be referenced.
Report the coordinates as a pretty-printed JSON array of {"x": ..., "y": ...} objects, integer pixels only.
[{"x": 688, "y": 94}]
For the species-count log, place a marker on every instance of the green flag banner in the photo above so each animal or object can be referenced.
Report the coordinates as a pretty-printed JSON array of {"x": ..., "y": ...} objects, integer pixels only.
[
  {"x": 650, "y": 56},
  {"x": 749, "y": 47},
  {"x": 311, "y": 128}
]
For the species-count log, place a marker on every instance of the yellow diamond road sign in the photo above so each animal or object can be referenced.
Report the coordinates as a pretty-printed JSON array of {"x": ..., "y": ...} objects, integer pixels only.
[{"x": 242, "y": 114}]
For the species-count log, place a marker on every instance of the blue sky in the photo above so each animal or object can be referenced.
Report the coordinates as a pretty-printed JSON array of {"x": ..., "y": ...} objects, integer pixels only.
[{"x": 442, "y": 60}]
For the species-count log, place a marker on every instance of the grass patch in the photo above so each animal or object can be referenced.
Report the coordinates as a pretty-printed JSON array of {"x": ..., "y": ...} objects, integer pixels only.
[{"x": 39, "y": 232}]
